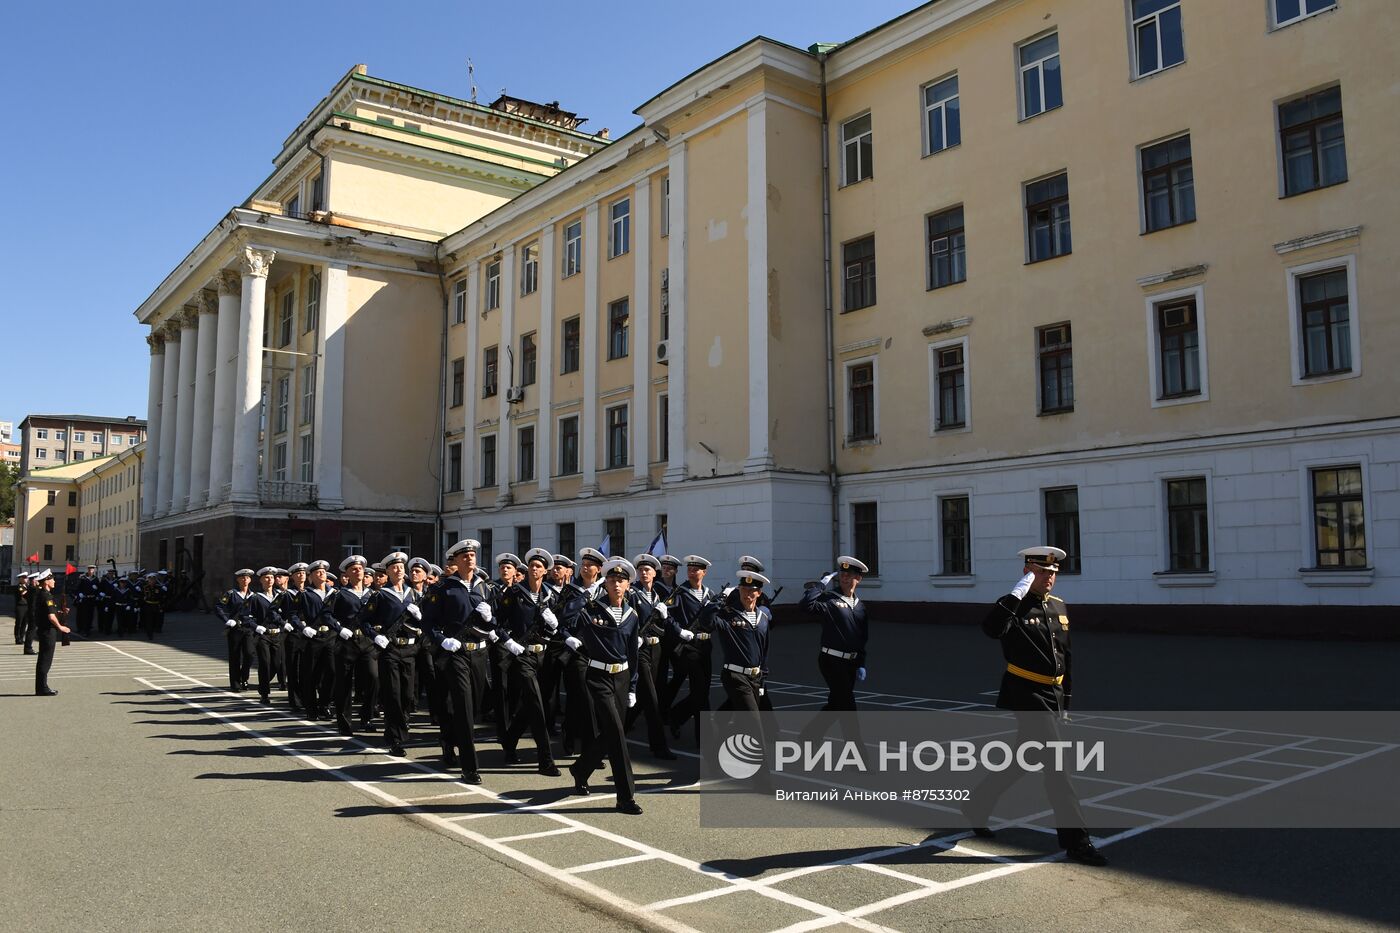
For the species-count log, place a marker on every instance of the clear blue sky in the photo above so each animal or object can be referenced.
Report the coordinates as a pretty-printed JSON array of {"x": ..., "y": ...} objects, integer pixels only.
[{"x": 133, "y": 127}]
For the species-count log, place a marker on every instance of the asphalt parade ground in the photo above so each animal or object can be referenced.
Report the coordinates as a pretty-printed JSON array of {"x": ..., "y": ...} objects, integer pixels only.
[{"x": 147, "y": 796}]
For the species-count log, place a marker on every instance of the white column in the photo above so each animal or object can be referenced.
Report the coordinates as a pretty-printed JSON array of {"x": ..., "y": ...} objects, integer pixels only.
[
  {"x": 168, "y": 382},
  {"x": 184, "y": 408},
  {"x": 471, "y": 390},
  {"x": 149, "y": 471},
  {"x": 247, "y": 391},
  {"x": 329, "y": 426},
  {"x": 205, "y": 362},
  {"x": 640, "y": 413},
  {"x": 588, "y": 430},
  {"x": 509, "y": 371},
  {"x": 544, "y": 427},
  {"x": 759, "y": 458},
  {"x": 225, "y": 376},
  {"x": 675, "y": 260}
]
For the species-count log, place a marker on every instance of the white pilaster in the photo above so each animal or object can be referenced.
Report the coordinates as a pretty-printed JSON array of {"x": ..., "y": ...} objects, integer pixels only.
[
  {"x": 150, "y": 469},
  {"x": 509, "y": 376},
  {"x": 168, "y": 382},
  {"x": 544, "y": 429},
  {"x": 675, "y": 260},
  {"x": 471, "y": 391},
  {"x": 225, "y": 377},
  {"x": 247, "y": 392},
  {"x": 206, "y": 360},
  {"x": 588, "y": 441},
  {"x": 760, "y": 458},
  {"x": 640, "y": 415},
  {"x": 329, "y": 426},
  {"x": 184, "y": 408}
]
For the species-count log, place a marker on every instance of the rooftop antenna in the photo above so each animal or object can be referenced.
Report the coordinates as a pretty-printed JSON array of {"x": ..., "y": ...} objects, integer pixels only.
[{"x": 471, "y": 78}]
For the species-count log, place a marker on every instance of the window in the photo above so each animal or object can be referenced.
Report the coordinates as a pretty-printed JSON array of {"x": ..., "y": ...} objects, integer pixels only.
[
  {"x": 79, "y": 437},
  {"x": 1157, "y": 35},
  {"x": 1313, "y": 142},
  {"x": 61, "y": 456},
  {"x": 565, "y": 533},
  {"x": 860, "y": 390},
  {"x": 865, "y": 534},
  {"x": 98, "y": 443},
  {"x": 942, "y": 120},
  {"x": 41, "y": 433},
  {"x": 568, "y": 445},
  {"x": 41, "y": 453},
  {"x": 485, "y": 537},
  {"x": 1168, "y": 186},
  {"x": 459, "y": 302},
  {"x": 318, "y": 193},
  {"x": 48, "y": 525},
  {"x": 401, "y": 541},
  {"x": 1062, "y": 524},
  {"x": 573, "y": 248},
  {"x": 529, "y": 268},
  {"x": 60, "y": 435},
  {"x": 947, "y": 248},
  {"x": 488, "y": 460},
  {"x": 279, "y": 462},
  {"x": 284, "y": 404},
  {"x": 615, "y": 531},
  {"x": 48, "y": 552},
  {"x": 617, "y": 436},
  {"x": 493, "y": 285},
  {"x": 619, "y": 228},
  {"x": 454, "y": 467},
  {"x": 666, "y": 206},
  {"x": 308, "y": 458},
  {"x": 527, "y": 359},
  {"x": 78, "y": 455},
  {"x": 351, "y": 542},
  {"x": 488, "y": 371},
  {"x": 522, "y": 539},
  {"x": 666, "y": 303},
  {"x": 1188, "y": 544},
  {"x": 459, "y": 377},
  {"x": 663, "y": 427},
  {"x": 525, "y": 456},
  {"x": 1040, "y": 75},
  {"x": 308, "y": 393},
  {"x": 950, "y": 385},
  {"x": 70, "y": 552},
  {"x": 857, "y": 150},
  {"x": 618, "y": 312},
  {"x": 284, "y": 324},
  {"x": 1325, "y": 317},
  {"x": 1290, "y": 11},
  {"x": 313, "y": 303},
  {"x": 52, "y": 497},
  {"x": 1047, "y": 218},
  {"x": 858, "y": 263},
  {"x": 1056, "y": 368},
  {"x": 303, "y": 541},
  {"x": 569, "y": 356},
  {"x": 1339, "y": 520},
  {"x": 1178, "y": 349},
  {"x": 293, "y": 207}
]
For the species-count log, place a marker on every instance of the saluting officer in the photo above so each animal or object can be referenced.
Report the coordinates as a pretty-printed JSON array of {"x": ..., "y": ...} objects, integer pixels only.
[
  {"x": 264, "y": 627},
  {"x": 392, "y": 619},
  {"x": 605, "y": 633},
  {"x": 316, "y": 675},
  {"x": 22, "y": 588},
  {"x": 457, "y": 618},
  {"x": 527, "y": 620},
  {"x": 653, "y": 623},
  {"x": 740, "y": 625},
  {"x": 845, "y": 630},
  {"x": 1033, "y": 628},
  {"x": 354, "y": 664},
  {"x": 691, "y": 654},
  {"x": 229, "y": 609}
]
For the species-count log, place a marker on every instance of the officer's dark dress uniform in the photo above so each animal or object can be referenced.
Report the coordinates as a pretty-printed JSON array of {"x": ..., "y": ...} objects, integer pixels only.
[
  {"x": 450, "y": 612},
  {"x": 387, "y": 613},
  {"x": 43, "y": 605},
  {"x": 521, "y": 619},
  {"x": 22, "y": 616},
  {"x": 610, "y": 646},
  {"x": 229, "y": 608},
  {"x": 153, "y": 596}
]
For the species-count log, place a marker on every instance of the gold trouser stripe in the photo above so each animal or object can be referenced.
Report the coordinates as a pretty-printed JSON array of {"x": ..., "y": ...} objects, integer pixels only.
[{"x": 1032, "y": 675}]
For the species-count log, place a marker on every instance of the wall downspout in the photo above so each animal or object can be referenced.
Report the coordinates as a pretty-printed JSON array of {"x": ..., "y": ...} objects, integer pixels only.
[
  {"x": 442, "y": 408},
  {"x": 829, "y": 308}
]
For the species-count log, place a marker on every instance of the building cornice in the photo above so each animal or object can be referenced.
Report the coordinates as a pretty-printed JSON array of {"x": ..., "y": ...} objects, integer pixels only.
[
  {"x": 755, "y": 55},
  {"x": 891, "y": 37}
]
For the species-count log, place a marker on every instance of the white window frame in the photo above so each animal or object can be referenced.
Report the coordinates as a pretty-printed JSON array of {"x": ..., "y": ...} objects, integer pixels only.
[
  {"x": 529, "y": 268},
  {"x": 573, "y": 250},
  {"x": 1295, "y": 324},
  {"x": 1039, "y": 65},
  {"x": 41, "y": 453},
  {"x": 312, "y": 314},
  {"x": 79, "y": 437},
  {"x": 665, "y": 220},
  {"x": 1276, "y": 23},
  {"x": 41, "y": 434},
  {"x": 60, "y": 435},
  {"x": 278, "y": 471},
  {"x": 493, "y": 285},
  {"x": 925, "y": 109},
  {"x": 848, "y": 365},
  {"x": 663, "y": 403},
  {"x": 619, "y": 228},
  {"x": 558, "y": 466},
  {"x": 308, "y": 393},
  {"x": 1308, "y": 570},
  {"x": 846, "y": 144},
  {"x": 459, "y": 301},
  {"x": 933, "y": 429},
  {"x": 307, "y": 457},
  {"x": 938, "y": 578},
  {"x": 1133, "y": 25},
  {"x": 1154, "y": 350},
  {"x": 283, "y": 416},
  {"x": 1162, "y": 575},
  {"x": 848, "y": 530},
  {"x": 287, "y": 319}
]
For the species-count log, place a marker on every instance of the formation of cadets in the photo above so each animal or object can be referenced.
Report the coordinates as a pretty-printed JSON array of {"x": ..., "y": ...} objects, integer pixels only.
[{"x": 110, "y": 605}]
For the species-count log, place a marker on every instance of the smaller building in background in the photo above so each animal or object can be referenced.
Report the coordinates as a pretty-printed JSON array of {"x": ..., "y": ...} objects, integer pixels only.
[
  {"x": 84, "y": 512},
  {"x": 53, "y": 440}
]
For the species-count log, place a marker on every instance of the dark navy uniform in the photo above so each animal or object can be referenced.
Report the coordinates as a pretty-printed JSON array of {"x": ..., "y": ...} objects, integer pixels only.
[
  {"x": 292, "y": 611},
  {"x": 316, "y": 675},
  {"x": 260, "y": 612},
  {"x": 692, "y": 660},
  {"x": 608, "y": 640},
  {"x": 652, "y": 629},
  {"x": 743, "y": 641},
  {"x": 85, "y": 599},
  {"x": 844, "y": 634},
  {"x": 353, "y": 658},
  {"x": 229, "y": 608},
  {"x": 106, "y": 603},
  {"x": 43, "y": 605},
  {"x": 450, "y": 615},
  {"x": 128, "y": 606},
  {"x": 522, "y": 620},
  {"x": 394, "y": 615}
]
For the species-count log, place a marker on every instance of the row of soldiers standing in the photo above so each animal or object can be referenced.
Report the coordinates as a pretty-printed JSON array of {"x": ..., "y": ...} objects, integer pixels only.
[{"x": 114, "y": 604}]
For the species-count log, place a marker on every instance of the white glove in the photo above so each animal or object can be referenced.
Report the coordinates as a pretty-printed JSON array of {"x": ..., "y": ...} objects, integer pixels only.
[
  {"x": 724, "y": 594},
  {"x": 687, "y": 634},
  {"x": 414, "y": 611},
  {"x": 826, "y": 580},
  {"x": 662, "y": 611},
  {"x": 631, "y": 700},
  {"x": 308, "y": 631},
  {"x": 261, "y": 630},
  {"x": 514, "y": 647},
  {"x": 346, "y": 634},
  {"x": 640, "y": 641},
  {"x": 1023, "y": 586},
  {"x": 381, "y": 641},
  {"x": 231, "y": 623},
  {"x": 860, "y": 673},
  {"x": 450, "y": 644},
  {"x": 573, "y": 643},
  {"x": 551, "y": 621},
  {"x": 484, "y": 610},
  {"x": 286, "y": 626}
]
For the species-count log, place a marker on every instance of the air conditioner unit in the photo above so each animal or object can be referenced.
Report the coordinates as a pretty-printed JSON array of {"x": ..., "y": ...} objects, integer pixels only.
[
  {"x": 515, "y": 394},
  {"x": 1178, "y": 316},
  {"x": 320, "y": 217},
  {"x": 663, "y": 353}
]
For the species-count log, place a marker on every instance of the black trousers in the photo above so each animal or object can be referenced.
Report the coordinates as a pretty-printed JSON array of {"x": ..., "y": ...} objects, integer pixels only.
[
  {"x": 695, "y": 667},
  {"x": 744, "y": 692},
  {"x": 106, "y": 614},
  {"x": 127, "y": 619},
  {"x": 150, "y": 619},
  {"x": 317, "y": 675},
  {"x": 496, "y": 698},
  {"x": 607, "y": 694},
  {"x": 86, "y": 610},
  {"x": 269, "y": 651},
  {"x": 840, "y": 677},
  {"x": 527, "y": 706},
  {"x": 425, "y": 675},
  {"x": 22, "y": 636},
  {"x": 455, "y": 677},
  {"x": 648, "y": 703},
  {"x": 1038, "y": 726},
  {"x": 563, "y": 668},
  {"x": 293, "y": 643},
  {"x": 240, "y": 655},
  {"x": 396, "y": 687},
  {"x": 356, "y": 663},
  {"x": 47, "y": 640}
]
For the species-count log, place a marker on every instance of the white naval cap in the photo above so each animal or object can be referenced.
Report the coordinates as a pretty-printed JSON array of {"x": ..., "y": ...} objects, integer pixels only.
[
  {"x": 752, "y": 578},
  {"x": 262, "y": 572},
  {"x": 541, "y": 555},
  {"x": 622, "y": 566},
  {"x": 352, "y": 560},
  {"x": 1042, "y": 555},
  {"x": 561, "y": 561},
  {"x": 466, "y": 544},
  {"x": 506, "y": 557},
  {"x": 750, "y": 563},
  {"x": 646, "y": 560},
  {"x": 435, "y": 570},
  {"x": 394, "y": 557},
  {"x": 298, "y": 567},
  {"x": 319, "y": 565},
  {"x": 592, "y": 554},
  {"x": 245, "y": 572},
  {"x": 670, "y": 559},
  {"x": 695, "y": 560},
  {"x": 851, "y": 565},
  {"x": 419, "y": 562}
]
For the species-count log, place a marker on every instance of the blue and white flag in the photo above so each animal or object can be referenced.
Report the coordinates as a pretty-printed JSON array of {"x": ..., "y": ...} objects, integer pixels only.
[
  {"x": 606, "y": 547},
  {"x": 658, "y": 545}
]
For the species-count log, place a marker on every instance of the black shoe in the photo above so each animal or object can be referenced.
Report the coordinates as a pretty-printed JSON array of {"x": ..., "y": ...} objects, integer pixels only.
[
  {"x": 449, "y": 758},
  {"x": 265, "y": 698},
  {"x": 28, "y": 650},
  {"x": 46, "y": 692},
  {"x": 665, "y": 754},
  {"x": 512, "y": 757},
  {"x": 397, "y": 751},
  {"x": 630, "y": 807},
  {"x": 1085, "y": 854},
  {"x": 471, "y": 777},
  {"x": 345, "y": 730},
  {"x": 549, "y": 770},
  {"x": 580, "y": 788}
]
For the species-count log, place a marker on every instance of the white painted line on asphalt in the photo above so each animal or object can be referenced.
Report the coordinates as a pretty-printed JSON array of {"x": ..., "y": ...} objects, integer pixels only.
[
  {"x": 610, "y": 863},
  {"x": 563, "y": 830},
  {"x": 460, "y": 793}
]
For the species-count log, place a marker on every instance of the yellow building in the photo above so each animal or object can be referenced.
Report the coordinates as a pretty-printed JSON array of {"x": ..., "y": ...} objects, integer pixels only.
[
  {"x": 85, "y": 512},
  {"x": 683, "y": 331}
]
